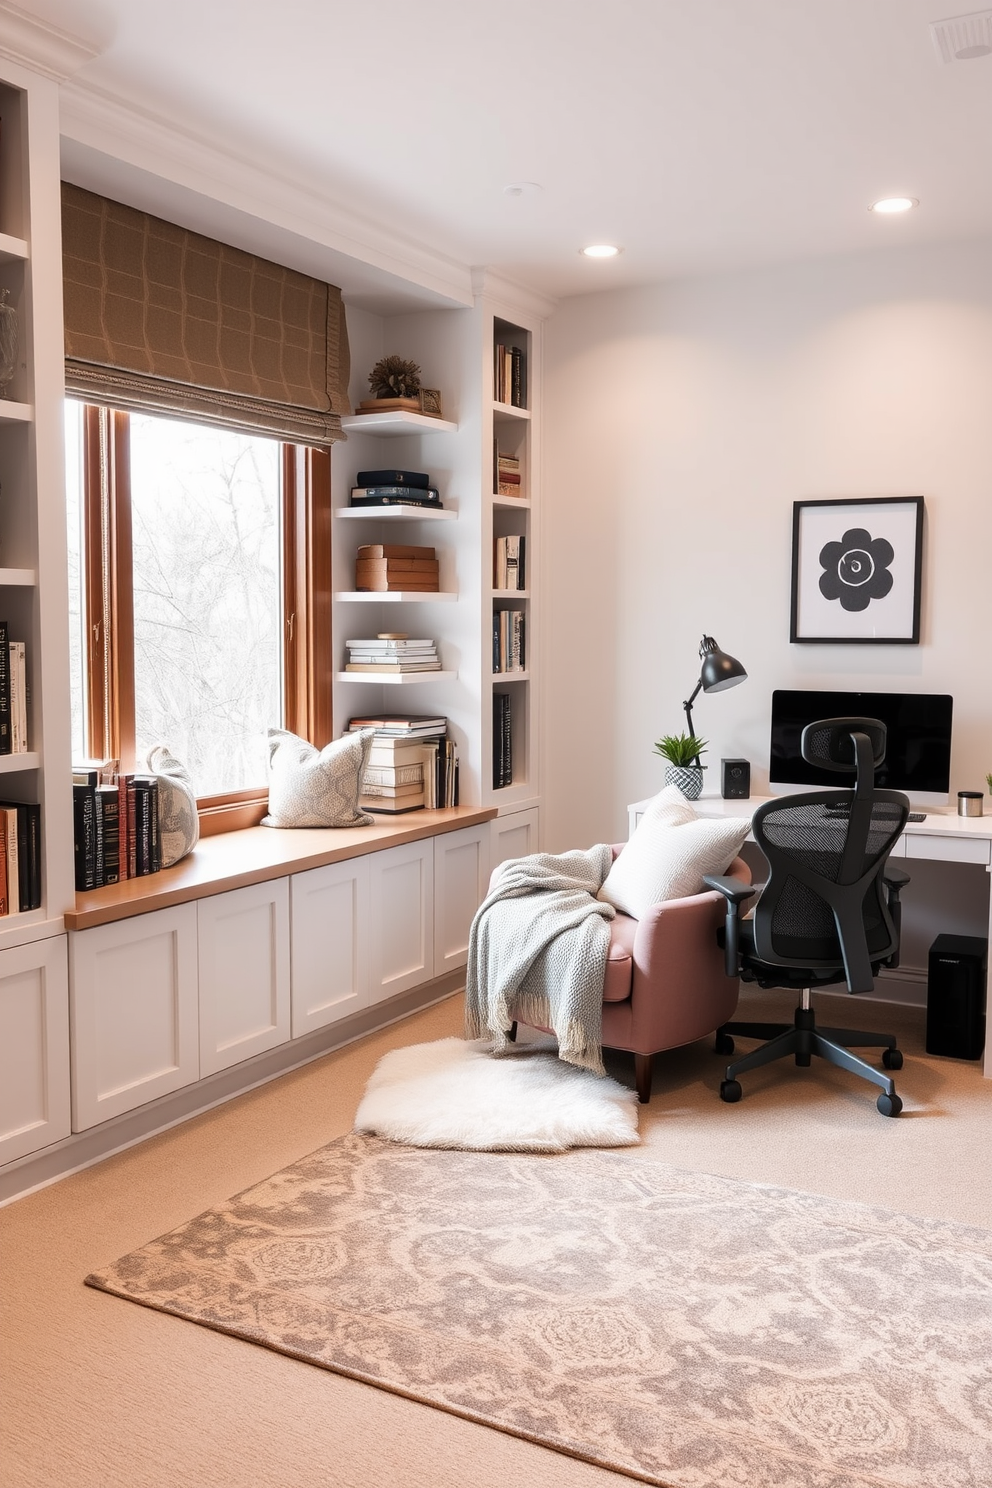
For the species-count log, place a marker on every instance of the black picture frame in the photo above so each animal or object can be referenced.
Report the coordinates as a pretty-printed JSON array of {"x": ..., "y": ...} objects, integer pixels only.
[{"x": 857, "y": 568}]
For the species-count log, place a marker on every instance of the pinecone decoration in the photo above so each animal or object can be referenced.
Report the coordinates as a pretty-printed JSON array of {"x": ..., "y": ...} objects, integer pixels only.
[{"x": 392, "y": 377}]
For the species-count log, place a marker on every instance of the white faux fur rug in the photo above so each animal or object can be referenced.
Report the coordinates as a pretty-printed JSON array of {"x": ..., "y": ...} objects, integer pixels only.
[{"x": 456, "y": 1094}]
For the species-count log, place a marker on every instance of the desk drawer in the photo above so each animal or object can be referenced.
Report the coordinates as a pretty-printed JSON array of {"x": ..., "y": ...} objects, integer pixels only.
[{"x": 947, "y": 849}]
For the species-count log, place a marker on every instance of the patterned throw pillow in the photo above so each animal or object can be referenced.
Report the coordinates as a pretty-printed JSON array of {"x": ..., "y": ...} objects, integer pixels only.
[
  {"x": 669, "y": 852},
  {"x": 178, "y": 822},
  {"x": 311, "y": 787}
]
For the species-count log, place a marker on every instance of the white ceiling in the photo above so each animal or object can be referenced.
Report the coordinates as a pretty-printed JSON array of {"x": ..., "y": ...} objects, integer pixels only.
[{"x": 699, "y": 134}]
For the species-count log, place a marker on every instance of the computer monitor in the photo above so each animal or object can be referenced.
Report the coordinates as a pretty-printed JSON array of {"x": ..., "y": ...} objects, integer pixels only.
[{"x": 917, "y": 746}]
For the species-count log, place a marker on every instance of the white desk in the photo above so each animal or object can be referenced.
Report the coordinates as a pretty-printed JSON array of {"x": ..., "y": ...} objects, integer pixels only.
[{"x": 942, "y": 837}]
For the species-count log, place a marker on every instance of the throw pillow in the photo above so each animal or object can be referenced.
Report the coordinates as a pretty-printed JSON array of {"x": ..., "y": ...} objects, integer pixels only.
[
  {"x": 669, "y": 852},
  {"x": 178, "y": 822},
  {"x": 311, "y": 787}
]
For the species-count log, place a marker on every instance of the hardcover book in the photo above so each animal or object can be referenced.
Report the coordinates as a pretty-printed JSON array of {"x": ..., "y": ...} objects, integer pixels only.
[{"x": 393, "y": 478}]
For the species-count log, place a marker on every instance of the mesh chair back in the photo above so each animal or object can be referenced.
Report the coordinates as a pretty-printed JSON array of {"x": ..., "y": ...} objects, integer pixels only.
[{"x": 823, "y": 907}]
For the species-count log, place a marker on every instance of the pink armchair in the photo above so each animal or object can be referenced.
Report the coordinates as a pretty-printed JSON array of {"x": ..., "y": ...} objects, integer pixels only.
[{"x": 666, "y": 984}]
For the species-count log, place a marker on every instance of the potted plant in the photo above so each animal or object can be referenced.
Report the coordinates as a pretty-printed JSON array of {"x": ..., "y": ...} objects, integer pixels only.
[{"x": 682, "y": 752}]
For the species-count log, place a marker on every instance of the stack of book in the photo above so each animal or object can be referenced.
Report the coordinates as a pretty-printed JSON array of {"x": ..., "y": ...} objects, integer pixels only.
[
  {"x": 395, "y": 488},
  {"x": 510, "y": 375},
  {"x": 441, "y": 773},
  {"x": 394, "y": 567},
  {"x": 391, "y": 654},
  {"x": 506, "y": 476},
  {"x": 509, "y": 631},
  {"x": 13, "y": 695},
  {"x": 115, "y": 821},
  {"x": 20, "y": 856},
  {"x": 502, "y": 741},
  {"x": 403, "y": 767},
  {"x": 509, "y": 569}
]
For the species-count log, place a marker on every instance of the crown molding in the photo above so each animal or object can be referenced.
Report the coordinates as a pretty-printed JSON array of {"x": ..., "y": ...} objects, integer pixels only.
[
  {"x": 152, "y": 143},
  {"x": 509, "y": 292},
  {"x": 40, "y": 46}
]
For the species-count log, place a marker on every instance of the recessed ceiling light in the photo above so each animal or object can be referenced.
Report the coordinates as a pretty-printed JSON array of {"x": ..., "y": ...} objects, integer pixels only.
[
  {"x": 522, "y": 188},
  {"x": 890, "y": 204},
  {"x": 601, "y": 250}
]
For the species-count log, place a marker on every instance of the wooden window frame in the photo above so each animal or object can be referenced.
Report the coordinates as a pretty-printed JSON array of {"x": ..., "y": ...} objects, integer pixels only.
[{"x": 108, "y": 605}]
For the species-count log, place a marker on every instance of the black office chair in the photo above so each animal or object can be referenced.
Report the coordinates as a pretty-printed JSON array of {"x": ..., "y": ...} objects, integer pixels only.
[{"x": 829, "y": 911}]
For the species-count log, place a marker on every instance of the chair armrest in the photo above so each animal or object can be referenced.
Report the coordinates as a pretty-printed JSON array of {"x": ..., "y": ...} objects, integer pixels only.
[
  {"x": 735, "y": 891},
  {"x": 895, "y": 878}
]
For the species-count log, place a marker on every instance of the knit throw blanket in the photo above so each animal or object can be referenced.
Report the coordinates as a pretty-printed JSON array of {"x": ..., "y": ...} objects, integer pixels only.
[{"x": 537, "y": 953}]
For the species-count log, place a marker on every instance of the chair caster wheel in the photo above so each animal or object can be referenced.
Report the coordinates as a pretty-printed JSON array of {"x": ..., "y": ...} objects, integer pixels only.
[
  {"x": 889, "y": 1105},
  {"x": 723, "y": 1044},
  {"x": 892, "y": 1058},
  {"x": 730, "y": 1091}
]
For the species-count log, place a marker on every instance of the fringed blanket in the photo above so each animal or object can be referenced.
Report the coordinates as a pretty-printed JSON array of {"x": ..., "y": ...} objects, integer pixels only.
[{"x": 537, "y": 952}]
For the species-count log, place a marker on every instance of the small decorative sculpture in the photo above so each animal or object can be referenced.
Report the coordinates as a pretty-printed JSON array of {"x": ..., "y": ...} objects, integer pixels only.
[{"x": 392, "y": 377}]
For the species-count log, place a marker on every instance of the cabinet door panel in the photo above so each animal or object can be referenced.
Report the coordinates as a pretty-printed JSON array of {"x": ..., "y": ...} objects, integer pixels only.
[
  {"x": 243, "y": 939},
  {"x": 34, "y": 1047},
  {"x": 134, "y": 1012},
  {"x": 330, "y": 943},
  {"x": 513, "y": 836},
  {"x": 401, "y": 889},
  {"x": 461, "y": 873}
]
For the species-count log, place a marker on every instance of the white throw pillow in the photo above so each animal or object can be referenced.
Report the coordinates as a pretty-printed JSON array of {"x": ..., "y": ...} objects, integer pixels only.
[
  {"x": 311, "y": 787},
  {"x": 669, "y": 852},
  {"x": 178, "y": 821}
]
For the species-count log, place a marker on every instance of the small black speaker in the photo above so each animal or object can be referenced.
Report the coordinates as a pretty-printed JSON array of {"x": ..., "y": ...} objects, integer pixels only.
[
  {"x": 956, "y": 996},
  {"x": 736, "y": 779}
]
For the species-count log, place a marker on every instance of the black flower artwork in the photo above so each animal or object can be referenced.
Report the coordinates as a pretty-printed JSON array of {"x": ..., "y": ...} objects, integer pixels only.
[{"x": 856, "y": 569}]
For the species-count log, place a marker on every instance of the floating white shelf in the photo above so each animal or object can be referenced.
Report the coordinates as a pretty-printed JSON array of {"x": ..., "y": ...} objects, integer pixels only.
[
  {"x": 511, "y": 594},
  {"x": 394, "y": 424},
  {"x": 506, "y": 411},
  {"x": 9, "y": 763},
  {"x": 511, "y": 676},
  {"x": 396, "y": 513},
  {"x": 521, "y": 501},
  {"x": 11, "y": 576},
  {"x": 15, "y": 413},
  {"x": 395, "y": 679},
  {"x": 12, "y": 248},
  {"x": 394, "y": 596}
]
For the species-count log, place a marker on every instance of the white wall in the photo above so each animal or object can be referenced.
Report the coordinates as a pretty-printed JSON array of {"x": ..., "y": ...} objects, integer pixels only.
[{"x": 682, "y": 423}]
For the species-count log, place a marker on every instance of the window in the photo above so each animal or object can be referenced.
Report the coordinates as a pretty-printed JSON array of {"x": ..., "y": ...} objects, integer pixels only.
[{"x": 199, "y": 570}]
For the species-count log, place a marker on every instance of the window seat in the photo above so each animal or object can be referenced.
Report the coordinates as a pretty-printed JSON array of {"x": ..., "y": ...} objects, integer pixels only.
[{"x": 232, "y": 860}]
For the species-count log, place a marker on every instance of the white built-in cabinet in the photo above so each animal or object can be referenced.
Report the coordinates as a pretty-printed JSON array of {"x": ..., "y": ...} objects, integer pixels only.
[
  {"x": 243, "y": 973},
  {"x": 461, "y": 877},
  {"x": 134, "y": 1012},
  {"x": 513, "y": 836},
  {"x": 34, "y": 1047},
  {"x": 329, "y": 935},
  {"x": 164, "y": 999}
]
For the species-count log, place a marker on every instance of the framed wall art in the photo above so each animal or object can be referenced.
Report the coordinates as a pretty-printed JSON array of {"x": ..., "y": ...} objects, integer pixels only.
[{"x": 856, "y": 571}]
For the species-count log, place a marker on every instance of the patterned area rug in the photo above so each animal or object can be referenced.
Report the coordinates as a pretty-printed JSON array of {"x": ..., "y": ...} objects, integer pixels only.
[{"x": 686, "y": 1330}]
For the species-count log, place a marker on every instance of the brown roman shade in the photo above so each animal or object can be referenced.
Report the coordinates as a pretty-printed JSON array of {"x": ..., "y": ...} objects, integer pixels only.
[{"x": 162, "y": 320}]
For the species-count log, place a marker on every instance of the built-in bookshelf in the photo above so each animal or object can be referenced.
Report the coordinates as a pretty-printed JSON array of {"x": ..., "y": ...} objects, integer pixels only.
[{"x": 492, "y": 404}]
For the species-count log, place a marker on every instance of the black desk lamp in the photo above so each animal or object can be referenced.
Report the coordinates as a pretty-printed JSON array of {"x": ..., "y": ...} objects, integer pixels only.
[{"x": 718, "y": 672}]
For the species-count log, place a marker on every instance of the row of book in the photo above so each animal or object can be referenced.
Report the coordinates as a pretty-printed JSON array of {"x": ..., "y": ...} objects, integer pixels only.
[
  {"x": 510, "y": 375},
  {"x": 393, "y": 654},
  {"x": 395, "y": 488},
  {"x": 507, "y": 473},
  {"x": 412, "y": 764},
  {"x": 115, "y": 826},
  {"x": 502, "y": 740},
  {"x": 509, "y": 565},
  {"x": 509, "y": 641},
  {"x": 20, "y": 856},
  {"x": 13, "y": 694},
  {"x": 389, "y": 567}
]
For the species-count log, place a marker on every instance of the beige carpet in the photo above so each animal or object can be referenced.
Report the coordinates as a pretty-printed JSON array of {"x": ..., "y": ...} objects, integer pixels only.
[
  {"x": 98, "y": 1393},
  {"x": 687, "y": 1330}
]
